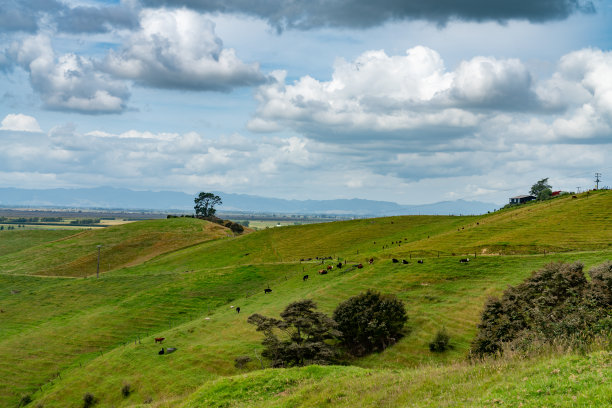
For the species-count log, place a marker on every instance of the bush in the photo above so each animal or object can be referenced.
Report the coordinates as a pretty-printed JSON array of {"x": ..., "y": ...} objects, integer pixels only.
[
  {"x": 126, "y": 390},
  {"x": 303, "y": 334},
  {"x": 556, "y": 303},
  {"x": 89, "y": 400},
  {"x": 370, "y": 321},
  {"x": 441, "y": 342},
  {"x": 241, "y": 361},
  {"x": 25, "y": 400}
]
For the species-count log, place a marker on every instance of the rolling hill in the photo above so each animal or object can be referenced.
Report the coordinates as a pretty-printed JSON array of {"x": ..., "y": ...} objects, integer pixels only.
[{"x": 63, "y": 336}]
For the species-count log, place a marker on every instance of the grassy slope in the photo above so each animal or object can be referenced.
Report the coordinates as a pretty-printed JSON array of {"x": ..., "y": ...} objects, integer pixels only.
[
  {"x": 89, "y": 315},
  {"x": 17, "y": 240},
  {"x": 561, "y": 224},
  {"x": 122, "y": 245},
  {"x": 552, "y": 381}
]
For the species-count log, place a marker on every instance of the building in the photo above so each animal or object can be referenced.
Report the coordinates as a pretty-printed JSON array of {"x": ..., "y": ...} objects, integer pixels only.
[{"x": 521, "y": 199}]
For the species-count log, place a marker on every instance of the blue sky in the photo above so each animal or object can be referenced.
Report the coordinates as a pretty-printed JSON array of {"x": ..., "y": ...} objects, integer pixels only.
[{"x": 406, "y": 101}]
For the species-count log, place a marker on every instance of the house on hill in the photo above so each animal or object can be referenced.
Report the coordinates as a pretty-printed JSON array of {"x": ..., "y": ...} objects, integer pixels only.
[{"x": 521, "y": 199}]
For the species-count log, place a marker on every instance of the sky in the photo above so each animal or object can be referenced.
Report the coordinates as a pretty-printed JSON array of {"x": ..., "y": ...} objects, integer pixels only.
[{"x": 408, "y": 101}]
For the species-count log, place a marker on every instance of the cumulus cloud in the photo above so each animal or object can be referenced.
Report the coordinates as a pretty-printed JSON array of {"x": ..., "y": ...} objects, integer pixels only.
[
  {"x": 412, "y": 94},
  {"x": 412, "y": 102},
  {"x": 306, "y": 15},
  {"x": 179, "y": 49},
  {"x": 68, "y": 82},
  {"x": 20, "y": 122}
]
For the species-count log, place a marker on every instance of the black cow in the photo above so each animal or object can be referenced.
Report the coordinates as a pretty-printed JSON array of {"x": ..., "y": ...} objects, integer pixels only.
[
  {"x": 394, "y": 260},
  {"x": 405, "y": 262},
  {"x": 464, "y": 260},
  {"x": 305, "y": 278},
  {"x": 160, "y": 352},
  {"x": 420, "y": 261},
  {"x": 339, "y": 265},
  {"x": 266, "y": 291},
  {"x": 238, "y": 310}
]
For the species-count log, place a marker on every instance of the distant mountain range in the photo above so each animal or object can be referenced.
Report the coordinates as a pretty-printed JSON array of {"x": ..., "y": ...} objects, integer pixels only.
[{"x": 118, "y": 198}]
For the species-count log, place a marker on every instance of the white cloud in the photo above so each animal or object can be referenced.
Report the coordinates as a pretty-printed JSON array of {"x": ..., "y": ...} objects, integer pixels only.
[
  {"x": 378, "y": 93},
  {"x": 412, "y": 103},
  {"x": 21, "y": 123},
  {"x": 68, "y": 82},
  {"x": 179, "y": 49}
]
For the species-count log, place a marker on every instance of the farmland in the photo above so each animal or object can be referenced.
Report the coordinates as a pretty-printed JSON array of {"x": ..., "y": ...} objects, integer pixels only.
[{"x": 65, "y": 332}]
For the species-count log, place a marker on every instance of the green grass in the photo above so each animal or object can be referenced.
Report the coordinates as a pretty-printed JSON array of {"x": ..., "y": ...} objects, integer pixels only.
[
  {"x": 17, "y": 240},
  {"x": 552, "y": 381},
  {"x": 122, "y": 245},
  {"x": 84, "y": 329}
]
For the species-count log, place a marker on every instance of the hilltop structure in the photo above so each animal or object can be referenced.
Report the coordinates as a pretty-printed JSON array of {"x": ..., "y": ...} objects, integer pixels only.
[{"x": 521, "y": 199}]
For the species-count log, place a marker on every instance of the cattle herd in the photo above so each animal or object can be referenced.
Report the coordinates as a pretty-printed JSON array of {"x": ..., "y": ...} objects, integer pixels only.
[{"x": 323, "y": 271}]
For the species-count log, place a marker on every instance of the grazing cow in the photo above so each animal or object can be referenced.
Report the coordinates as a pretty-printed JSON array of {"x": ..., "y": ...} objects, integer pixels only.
[
  {"x": 238, "y": 309},
  {"x": 339, "y": 265},
  {"x": 464, "y": 260},
  {"x": 170, "y": 350},
  {"x": 394, "y": 260},
  {"x": 323, "y": 272},
  {"x": 160, "y": 352},
  {"x": 574, "y": 196},
  {"x": 405, "y": 262},
  {"x": 266, "y": 291},
  {"x": 359, "y": 266},
  {"x": 420, "y": 261},
  {"x": 371, "y": 261},
  {"x": 329, "y": 267},
  {"x": 159, "y": 339},
  {"x": 305, "y": 278}
]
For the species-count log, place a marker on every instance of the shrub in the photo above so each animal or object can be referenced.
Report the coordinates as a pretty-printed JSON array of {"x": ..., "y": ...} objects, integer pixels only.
[
  {"x": 89, "y": 400},
  {"x": 303, "y": 333},
  {"x": 370, "y": 321},
  {"x": 241, "y": 361},
  {"x": 441, "y": 342},
  {"x": 126, "y": 390},
  {"x": 556, "y": 303},
  {"x": 25, "y": 400}
]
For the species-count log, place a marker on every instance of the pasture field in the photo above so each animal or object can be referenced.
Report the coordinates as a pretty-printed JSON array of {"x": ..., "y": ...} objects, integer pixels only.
[{"x": 62, "y": 336}]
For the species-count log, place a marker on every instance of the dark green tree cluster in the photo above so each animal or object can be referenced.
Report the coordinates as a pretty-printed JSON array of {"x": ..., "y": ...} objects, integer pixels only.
[
  {"x": 557, "y": 303},
  {"x": 370, "y": 322},
  {"x": 362, "y": 324},
  {"x": 300, "y": 338}
]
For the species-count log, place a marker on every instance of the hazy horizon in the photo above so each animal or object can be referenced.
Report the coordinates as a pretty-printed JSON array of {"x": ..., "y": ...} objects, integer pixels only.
[{"x": 407, "y": 101}]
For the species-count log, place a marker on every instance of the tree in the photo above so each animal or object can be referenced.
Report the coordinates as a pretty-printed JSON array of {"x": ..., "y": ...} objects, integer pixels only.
[
  {"x": 541, "y": 190},
  {"x": 300, "y": 338},
  {"x": 370, "y": 321},
  {"x": 205, "y": 204}
]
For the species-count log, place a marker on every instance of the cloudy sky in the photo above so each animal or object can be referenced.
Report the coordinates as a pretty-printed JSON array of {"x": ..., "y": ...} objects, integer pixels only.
[{"x": 402, "y": 100}]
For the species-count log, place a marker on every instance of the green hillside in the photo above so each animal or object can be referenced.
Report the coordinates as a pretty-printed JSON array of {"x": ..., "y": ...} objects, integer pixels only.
[
  {"x": 63, "y": 337},
  {"x": 122, "y": 245}
]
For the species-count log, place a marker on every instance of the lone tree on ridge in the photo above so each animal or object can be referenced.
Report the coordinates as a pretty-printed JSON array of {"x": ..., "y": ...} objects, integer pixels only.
[
  {"x": 205, "y": 204},
  {"x": 541, "y": 190}
]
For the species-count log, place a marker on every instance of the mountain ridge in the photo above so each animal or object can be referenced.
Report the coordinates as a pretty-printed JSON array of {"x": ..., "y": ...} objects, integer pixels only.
[{"x": 110, "y": 197}]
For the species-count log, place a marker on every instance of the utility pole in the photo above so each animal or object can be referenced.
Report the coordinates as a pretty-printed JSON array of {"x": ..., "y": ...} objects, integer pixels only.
[
  {"x": 98, "y": 267},
  {"x": 597, "y": 176}
]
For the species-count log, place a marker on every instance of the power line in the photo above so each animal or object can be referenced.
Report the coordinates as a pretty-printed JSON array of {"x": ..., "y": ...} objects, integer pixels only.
[{"x": 597, "y": 176}]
